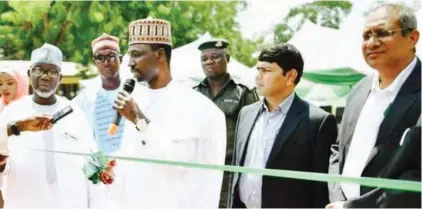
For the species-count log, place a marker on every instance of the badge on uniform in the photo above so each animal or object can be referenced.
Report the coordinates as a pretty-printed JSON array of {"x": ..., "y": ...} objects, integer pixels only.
[
  {"x": 219, "y": 44},
  {"x": 231, "y": 101}
]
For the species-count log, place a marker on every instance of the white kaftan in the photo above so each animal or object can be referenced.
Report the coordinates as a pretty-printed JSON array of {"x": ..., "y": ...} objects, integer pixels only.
[
  {"x": 97, "y": 105},
  {"x": 41, "y": 179},
  {"x": 185, "y": 126}
]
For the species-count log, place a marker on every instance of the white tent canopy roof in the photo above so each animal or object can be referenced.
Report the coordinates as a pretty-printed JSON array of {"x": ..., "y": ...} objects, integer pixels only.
[
  {"x": 318, "y": 47},
  {"x": 185, "y": 65}
]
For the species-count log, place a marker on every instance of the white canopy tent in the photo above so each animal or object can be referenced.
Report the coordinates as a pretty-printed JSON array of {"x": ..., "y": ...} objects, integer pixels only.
[
  {"x": 326, "y": 58},
  {"x": 319, "y": 48},
  {"x": 351, "y": 30},
  {"x": 186, "y": 66}
]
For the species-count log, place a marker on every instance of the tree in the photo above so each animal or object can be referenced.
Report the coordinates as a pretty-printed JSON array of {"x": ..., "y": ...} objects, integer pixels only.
[
  {"x": 324, "y": 13},
  {"x": 73, "y": 25}
]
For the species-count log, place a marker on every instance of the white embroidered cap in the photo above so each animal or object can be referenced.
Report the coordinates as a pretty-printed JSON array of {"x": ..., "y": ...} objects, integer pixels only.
[{"x": 48, "y": 54}]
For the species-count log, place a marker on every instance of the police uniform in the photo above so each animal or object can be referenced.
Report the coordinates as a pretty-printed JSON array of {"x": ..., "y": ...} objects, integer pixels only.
[{"x": 230, "y": 99}]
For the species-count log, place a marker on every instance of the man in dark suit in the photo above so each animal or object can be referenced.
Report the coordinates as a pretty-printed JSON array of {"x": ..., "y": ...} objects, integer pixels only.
[
  {"x": 281, "y": 132},
  {"x": 378, "y": 111}
]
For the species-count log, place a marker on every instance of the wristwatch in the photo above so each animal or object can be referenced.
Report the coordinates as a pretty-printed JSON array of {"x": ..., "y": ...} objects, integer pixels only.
[
  {"x": 141, "y": 124},
  {"x": 14, "y": 128}
]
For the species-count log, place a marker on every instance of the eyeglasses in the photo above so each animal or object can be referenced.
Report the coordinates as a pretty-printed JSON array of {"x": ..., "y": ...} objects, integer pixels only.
[
  {"x": 110, "y": 58},
  {"x": 380, "y": 34},
  {"x": 52, "y": 72}
]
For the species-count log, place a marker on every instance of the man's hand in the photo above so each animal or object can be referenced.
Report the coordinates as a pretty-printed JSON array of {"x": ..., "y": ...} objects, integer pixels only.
[
  {"x": 36, "y": 123},
  {"x": 335, "y": 205},
  {"x": 127, "y": 107},
  {"x": 3, "y": 161}
]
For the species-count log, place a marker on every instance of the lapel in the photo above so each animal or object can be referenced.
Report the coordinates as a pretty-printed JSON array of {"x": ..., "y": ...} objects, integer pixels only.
[
  {"x": 397, "y": 109},
  {"x": 356, "y": 105},
  {"x": 353, "y": 108},
  {"x": 293, "y": 118},
  {"x": 245, "y": 129}
]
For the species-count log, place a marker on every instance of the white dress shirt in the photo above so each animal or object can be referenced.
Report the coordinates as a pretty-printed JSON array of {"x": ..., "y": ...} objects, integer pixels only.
[
  {"x": 367, "y": 127},
  {"x": 260, "y": 144}
]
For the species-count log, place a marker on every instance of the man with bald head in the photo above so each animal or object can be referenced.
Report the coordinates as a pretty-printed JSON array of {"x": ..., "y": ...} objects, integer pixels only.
[{"x": 379, "y": 110}]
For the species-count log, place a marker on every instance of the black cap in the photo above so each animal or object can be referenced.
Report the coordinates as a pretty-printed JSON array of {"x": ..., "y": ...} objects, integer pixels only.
[{"x": 214, "y": 44}]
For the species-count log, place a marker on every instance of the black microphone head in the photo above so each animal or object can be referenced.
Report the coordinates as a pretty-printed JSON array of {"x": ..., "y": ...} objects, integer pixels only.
[{"x": 129, "y": 85}]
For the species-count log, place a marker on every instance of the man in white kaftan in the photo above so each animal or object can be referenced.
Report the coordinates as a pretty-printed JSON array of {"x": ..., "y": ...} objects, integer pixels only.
[
  {"x": 175, "y": 123},
  {"x": 183, "y": 127},
  {"x": 44, "y": 179},
  {"x": 96, "y": 101}
]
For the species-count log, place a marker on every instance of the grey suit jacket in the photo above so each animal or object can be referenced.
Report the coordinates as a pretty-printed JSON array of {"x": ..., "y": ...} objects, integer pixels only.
[{"x": 402, "y": 113}]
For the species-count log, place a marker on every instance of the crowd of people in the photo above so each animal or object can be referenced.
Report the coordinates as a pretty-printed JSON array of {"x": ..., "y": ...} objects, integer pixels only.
[{"x": 220, "y": 121}]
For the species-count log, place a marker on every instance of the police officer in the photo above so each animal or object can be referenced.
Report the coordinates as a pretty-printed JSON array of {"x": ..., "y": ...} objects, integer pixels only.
[{"x": 229, "y": 95}]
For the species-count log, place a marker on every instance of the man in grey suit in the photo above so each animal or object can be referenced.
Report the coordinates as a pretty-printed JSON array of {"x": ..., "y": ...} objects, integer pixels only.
[
  {"x": 378, "y": 111},
  {"x": 281, "y": 132}
]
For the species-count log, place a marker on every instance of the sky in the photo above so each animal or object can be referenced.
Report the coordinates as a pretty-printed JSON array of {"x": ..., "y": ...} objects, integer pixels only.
[{"x": 261, "y": 15}]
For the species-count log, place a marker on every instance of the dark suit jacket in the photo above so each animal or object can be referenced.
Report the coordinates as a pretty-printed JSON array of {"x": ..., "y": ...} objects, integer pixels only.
[
  {"x": 302, "y": 144},
  {"x": 403, "y": 113}
]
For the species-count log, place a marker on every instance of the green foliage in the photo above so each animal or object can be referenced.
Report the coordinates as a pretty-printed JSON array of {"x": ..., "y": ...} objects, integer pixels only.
[
  {"x": 73, "y": 25},
  {"x": 324, "y": 13}
]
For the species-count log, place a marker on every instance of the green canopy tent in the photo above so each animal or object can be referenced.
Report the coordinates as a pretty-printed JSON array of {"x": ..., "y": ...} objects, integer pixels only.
[{"x": 328, "y": 87}]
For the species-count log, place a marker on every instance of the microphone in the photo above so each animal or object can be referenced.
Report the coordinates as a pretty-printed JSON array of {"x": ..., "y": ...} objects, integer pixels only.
[
  {"x": 61, "y": 114},
  {"x": 127, "y": 87}
]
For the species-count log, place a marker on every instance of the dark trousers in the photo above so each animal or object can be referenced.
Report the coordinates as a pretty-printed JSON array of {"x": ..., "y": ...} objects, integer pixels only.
[{"x": 224, "y": 191}]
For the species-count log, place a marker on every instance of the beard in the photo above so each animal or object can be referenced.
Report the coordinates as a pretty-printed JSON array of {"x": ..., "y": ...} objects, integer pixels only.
[
  {"x": 148, "y": 76},
  {"x": 47, "y": 94}
]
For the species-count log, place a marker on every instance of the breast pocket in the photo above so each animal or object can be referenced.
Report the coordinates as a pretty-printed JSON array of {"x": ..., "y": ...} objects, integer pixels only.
[
  {"x": 171, "y": 141},
  {"x": 68, "y": 142},
  {"x": 183, "y": 144}
]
